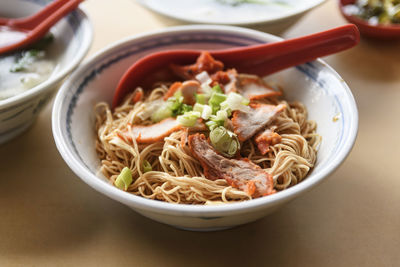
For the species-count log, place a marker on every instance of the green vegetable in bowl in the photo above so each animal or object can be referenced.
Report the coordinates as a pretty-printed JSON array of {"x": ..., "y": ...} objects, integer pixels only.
[
  {"x": 26, "y": 58},
  {"x": 189, "y": 119},
  {"x": 161, "y": 113},
  {"x": 173, "y": 107},
  {"x": 124, "y": 179},
  {"x": 224, "y": 141},
  {"x": 201, "y": 98},
  {"x": 37, "y": 51},
  {"x": 377, "y": 11},
  {"x": 215, "y": 100},
  {"x": 147, "y": 166}
]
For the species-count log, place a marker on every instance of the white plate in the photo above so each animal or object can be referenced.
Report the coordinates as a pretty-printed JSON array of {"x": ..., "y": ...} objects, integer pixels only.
[{"x": 226, "y": 12}]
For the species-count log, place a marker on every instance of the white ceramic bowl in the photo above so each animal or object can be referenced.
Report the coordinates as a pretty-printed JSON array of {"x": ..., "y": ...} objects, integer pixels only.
[
  {"x": 273, "y": 17},
  {"x": 316, "y": 84},
  {"x": 73, "y": 37}
]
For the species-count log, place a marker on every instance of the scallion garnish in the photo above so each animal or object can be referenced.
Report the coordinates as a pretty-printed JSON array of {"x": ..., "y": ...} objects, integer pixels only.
[
  {"x": 26, "y": 59},
  {"x": 161, "y": 113},
  {"x": 211, "y": 125},
  {"x": 235, "y": 101},
  {"x": 189, "y": 119},
  {"x": 124, "y": 179},
  {"x": 217, "y": 89},
  {"x": 201, "y": 98},
  {"x": 215, "y": 101},
  {"x": 224, "y": 141},
  {"x": 147, "y": 166}
]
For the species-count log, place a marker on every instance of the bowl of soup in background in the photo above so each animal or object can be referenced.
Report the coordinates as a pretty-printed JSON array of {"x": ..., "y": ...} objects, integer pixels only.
[
  {"x": 327, "y": 97},
  {"x": 72, "y": 37},
  {"x": 368, "y": 27}
]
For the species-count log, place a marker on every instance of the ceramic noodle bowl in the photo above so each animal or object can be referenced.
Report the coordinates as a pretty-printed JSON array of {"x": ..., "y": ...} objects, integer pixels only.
[{"x": 324, "y": 93}]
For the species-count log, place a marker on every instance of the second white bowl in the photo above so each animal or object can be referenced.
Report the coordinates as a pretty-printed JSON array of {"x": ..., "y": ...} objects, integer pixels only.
[{"x": 72, "y": 39}]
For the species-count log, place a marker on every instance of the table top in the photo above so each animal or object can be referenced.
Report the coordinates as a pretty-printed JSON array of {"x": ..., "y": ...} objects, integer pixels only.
[{"x": 49, "y": 217}]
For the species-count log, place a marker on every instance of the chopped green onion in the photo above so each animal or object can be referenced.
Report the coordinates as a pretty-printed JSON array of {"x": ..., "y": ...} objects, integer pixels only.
[
  {"x": 203, "y": 78},
  {"x": 221, "y": 115},
  {"x": 171, "y": 108},
  {"x": 201, "y": 98},
  {"x": 178, "y": 94},
  {"x": 124, "y": 179},
  {"x": 207, "y": 111},
  {"x": 217, "y": 98},
  {"x": 211, "y": 125},
  {"x": 189, "y": 119},
  {"x": 217, "y": 89},
  {"x": 149, "y": 108},
  {"x": 224, "y": 141},
  {"x": 26, "y": 59},
  {"x": 235, "y": 101},
  {"x": 384, "y": 18},
  {"x": 204, "y": 110},
  {"x": 174, "y": 104},
  {"x": 233, "y": 147},
  {"x": 218, "y": 121},
  {"x": 198, "y": 107},
  {"x": 184, "y": 108},
  {"x": 206, "y": 89},
  {"x": 147, "y": 166},
  {"x": 245, "y": 101},
  {"x": 218, "y": 134},
  {"x": 161, "y": 113},
  {"x": 215, "y": 101}
]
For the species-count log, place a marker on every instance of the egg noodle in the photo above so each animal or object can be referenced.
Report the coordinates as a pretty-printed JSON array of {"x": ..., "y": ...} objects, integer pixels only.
[{"x": 176, "y": 176}]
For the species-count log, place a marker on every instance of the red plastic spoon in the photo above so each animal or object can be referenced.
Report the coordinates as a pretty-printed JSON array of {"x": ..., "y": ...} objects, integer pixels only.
[
  {"x": 18, "y": 33},
  {"x": 259, "y": 59}
]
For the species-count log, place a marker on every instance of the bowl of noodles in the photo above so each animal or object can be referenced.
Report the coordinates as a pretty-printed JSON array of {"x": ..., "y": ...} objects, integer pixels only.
[{"x": 211, "y": 148}]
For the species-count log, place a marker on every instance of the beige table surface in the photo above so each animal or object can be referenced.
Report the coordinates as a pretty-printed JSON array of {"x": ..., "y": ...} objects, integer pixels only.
[{"x": 49, "y": 217}]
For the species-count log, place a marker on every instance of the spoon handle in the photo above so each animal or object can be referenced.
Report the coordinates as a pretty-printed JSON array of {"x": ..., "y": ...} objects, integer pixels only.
[
  {"x": 34, "y": 20},
  {"x": 53, "y": 18},
  {"x": 266, "y": 59}
]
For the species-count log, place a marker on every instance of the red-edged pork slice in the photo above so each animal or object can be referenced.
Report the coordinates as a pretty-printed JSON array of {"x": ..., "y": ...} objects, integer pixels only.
[
  {"x": 266, "y": 139},
  {"x": 220, "y": 77},
  {"x": 205, "y": 62},
  {"x": 155, "y": 132},
  {"x": 248, "y": 123},
  {"x": 228, "y": 79},
  {"x": 253, "y": 87},
  {"x": 232, "y": 85},
  {"x": 158, "y": 131},
  {"x": 239, "y": 173}
]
